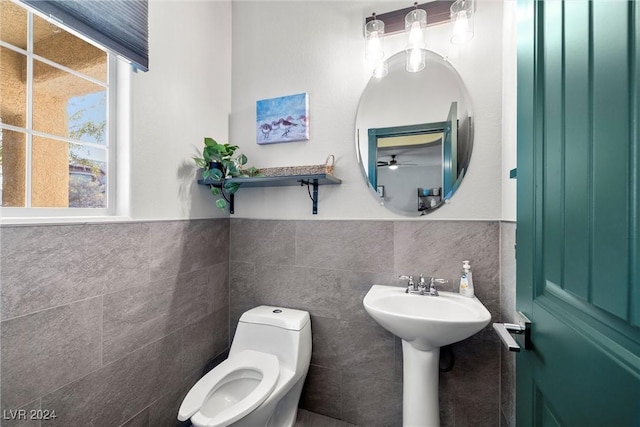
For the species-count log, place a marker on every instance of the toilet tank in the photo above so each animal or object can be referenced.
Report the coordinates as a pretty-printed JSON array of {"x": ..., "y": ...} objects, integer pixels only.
[{"x": 283, "y": 332}]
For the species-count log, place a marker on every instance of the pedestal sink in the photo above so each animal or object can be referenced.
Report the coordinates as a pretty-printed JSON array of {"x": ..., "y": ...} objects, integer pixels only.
[{"x": 424, "y": 323}]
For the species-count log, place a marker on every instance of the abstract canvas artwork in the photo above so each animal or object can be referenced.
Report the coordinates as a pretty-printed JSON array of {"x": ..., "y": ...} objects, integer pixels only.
[{"x": 283, "y": 119}]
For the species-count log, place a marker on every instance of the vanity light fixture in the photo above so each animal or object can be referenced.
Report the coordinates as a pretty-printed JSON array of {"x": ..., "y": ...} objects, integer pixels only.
[
  {"x": 411, "y": 20},
  {"x": 374, "y": 50},
  {"x": 462, "y": 15},
  {"x": 415, "y": 24}
]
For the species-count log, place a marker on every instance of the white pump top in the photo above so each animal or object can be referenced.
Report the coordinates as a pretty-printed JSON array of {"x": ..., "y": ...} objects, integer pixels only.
[{"x": 466, "y": 265}]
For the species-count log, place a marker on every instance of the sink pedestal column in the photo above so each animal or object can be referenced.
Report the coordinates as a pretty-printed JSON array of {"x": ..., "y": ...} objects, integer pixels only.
[{"x": 420, "y": 405}]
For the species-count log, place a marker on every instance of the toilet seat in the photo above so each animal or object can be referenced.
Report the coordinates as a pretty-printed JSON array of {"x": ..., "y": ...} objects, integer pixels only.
[{"x": 247, "y": 364}]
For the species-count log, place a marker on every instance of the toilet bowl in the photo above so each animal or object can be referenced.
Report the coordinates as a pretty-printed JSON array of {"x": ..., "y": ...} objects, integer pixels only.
[
  {"x": 236, "y": 387},
  {"x": 261, "y": 381}
]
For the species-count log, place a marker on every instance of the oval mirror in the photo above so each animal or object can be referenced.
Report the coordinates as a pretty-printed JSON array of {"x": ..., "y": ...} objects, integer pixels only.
[{"x": 414, "y": 135}]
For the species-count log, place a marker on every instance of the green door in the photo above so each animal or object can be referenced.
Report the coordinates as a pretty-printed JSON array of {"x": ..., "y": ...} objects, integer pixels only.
[{"x": 578, "y": 246}]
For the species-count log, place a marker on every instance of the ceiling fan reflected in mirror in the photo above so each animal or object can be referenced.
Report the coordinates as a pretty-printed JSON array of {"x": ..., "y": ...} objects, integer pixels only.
[{"x": 393, "y": 163}]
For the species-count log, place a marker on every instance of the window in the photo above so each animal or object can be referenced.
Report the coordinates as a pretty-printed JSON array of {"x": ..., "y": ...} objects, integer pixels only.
[{"x": 57, "y": 98}]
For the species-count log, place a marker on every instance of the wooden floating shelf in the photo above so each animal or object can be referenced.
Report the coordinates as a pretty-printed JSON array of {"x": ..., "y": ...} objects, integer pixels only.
[{"x": 311, "y": 180}]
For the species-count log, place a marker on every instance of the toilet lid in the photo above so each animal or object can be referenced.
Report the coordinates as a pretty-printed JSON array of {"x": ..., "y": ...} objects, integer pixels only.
[{"x": 266, "y": 364}]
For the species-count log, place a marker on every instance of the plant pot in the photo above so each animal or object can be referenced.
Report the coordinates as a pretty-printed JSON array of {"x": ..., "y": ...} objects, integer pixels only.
[{"x": 216, "y": 165}]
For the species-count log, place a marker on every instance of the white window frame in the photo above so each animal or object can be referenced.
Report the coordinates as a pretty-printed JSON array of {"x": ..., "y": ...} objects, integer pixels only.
[{"x": 118, "y": 130}]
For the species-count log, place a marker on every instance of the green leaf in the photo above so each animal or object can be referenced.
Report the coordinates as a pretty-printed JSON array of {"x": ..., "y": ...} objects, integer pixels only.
[
  {"x": 213, "y": 153},
  {"x": 215, "y": 191},
  {"x": 210, "y": 142},
  {"x": 231, "y": 187},
  {"x": 201, "y": 163},
  {"x": 242, "y": 159},
  {"x": 221, "y": 204},
  {"x": 252, "y": 171},
  {"x": 215, "y": 174}
]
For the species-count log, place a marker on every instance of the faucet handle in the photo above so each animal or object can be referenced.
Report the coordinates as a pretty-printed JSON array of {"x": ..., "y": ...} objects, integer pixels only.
[
  {"x": 405, "y": 277},
  {"x": 410, "y": 285},
  {"x": 433, "y": 290}
]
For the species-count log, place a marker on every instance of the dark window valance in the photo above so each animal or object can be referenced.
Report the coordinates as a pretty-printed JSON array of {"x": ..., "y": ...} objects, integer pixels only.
[{"x": 119, "y": 25}]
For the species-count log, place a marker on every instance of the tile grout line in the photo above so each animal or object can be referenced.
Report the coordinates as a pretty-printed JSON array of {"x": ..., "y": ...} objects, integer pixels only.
[
  {"x": 51, "y": 308},
  {"x": 108, "y": 364}
]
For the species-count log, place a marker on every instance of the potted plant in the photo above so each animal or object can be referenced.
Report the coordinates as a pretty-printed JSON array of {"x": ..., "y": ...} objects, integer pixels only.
[{"x": 220, "y": 162}]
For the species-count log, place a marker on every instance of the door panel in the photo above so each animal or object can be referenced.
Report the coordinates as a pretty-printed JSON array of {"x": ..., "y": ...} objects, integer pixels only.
[
  {"x": 576, "y": 172},
  {"x": 578, "y": 183},
  {"x": 611, "y": 156},
  {"x": 548, "y": 418},
  {"x": 553, "y": 137}
]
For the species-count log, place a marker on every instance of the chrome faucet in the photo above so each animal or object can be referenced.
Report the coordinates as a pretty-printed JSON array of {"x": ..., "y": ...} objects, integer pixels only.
[{"x": 422, "y": 288}]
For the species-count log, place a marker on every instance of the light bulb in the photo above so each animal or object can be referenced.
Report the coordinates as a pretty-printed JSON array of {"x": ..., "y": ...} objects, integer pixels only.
[
  {"x": 415, "y": 23},
  {"x": 462, "y": 23},
  {"x": 416, "y": 39},
  {"x": 373, "y": 36},
  {"x": 393, "y": 167},
  {"x": 374, "y": 47},
  {"x": 462, "y": 32}
]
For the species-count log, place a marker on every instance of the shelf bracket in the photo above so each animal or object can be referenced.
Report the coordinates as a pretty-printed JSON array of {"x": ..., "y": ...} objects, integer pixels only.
[
  {"x": 314, "y": 197},
  {"x": 230, "y": 200}
]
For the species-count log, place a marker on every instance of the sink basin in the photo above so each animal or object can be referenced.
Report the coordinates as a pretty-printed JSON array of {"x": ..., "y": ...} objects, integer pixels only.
[{"x": 426, "y": 321}]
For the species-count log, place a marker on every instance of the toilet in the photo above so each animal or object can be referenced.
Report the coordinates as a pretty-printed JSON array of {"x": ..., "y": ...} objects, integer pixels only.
[{"x": 261, "y": 381}]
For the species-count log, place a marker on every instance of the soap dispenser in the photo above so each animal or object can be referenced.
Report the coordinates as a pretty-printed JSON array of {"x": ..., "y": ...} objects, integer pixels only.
[{"x": 466, "y": 280}]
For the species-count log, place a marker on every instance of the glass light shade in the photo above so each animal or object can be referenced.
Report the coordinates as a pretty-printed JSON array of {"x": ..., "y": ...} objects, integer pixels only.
[
  {"x": 462, "y": 15},
  {"x": 373, "y": 37},
  {"x": 393, "y": 167},
  {"x": 415, "y": 24}
]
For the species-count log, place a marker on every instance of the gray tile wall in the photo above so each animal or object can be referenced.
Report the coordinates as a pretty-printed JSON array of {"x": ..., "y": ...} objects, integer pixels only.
[
  {"x": 115, "y": 333},
  {"x": 507, "y": 311},
  {"x": 110, "y": 324},
  {"x": 326, "y": 267}
]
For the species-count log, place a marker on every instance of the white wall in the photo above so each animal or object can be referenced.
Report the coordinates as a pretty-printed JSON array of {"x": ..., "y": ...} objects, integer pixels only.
[
  {"x": 184, "y": 97},
  {"x": 282, "y": 48},
  {"x": 401, "y": 188},
  {"x": 509, "y": 108}
]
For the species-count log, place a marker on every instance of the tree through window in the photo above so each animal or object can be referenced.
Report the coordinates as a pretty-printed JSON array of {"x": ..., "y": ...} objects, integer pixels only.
[{"x": 54, "y": 115}]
